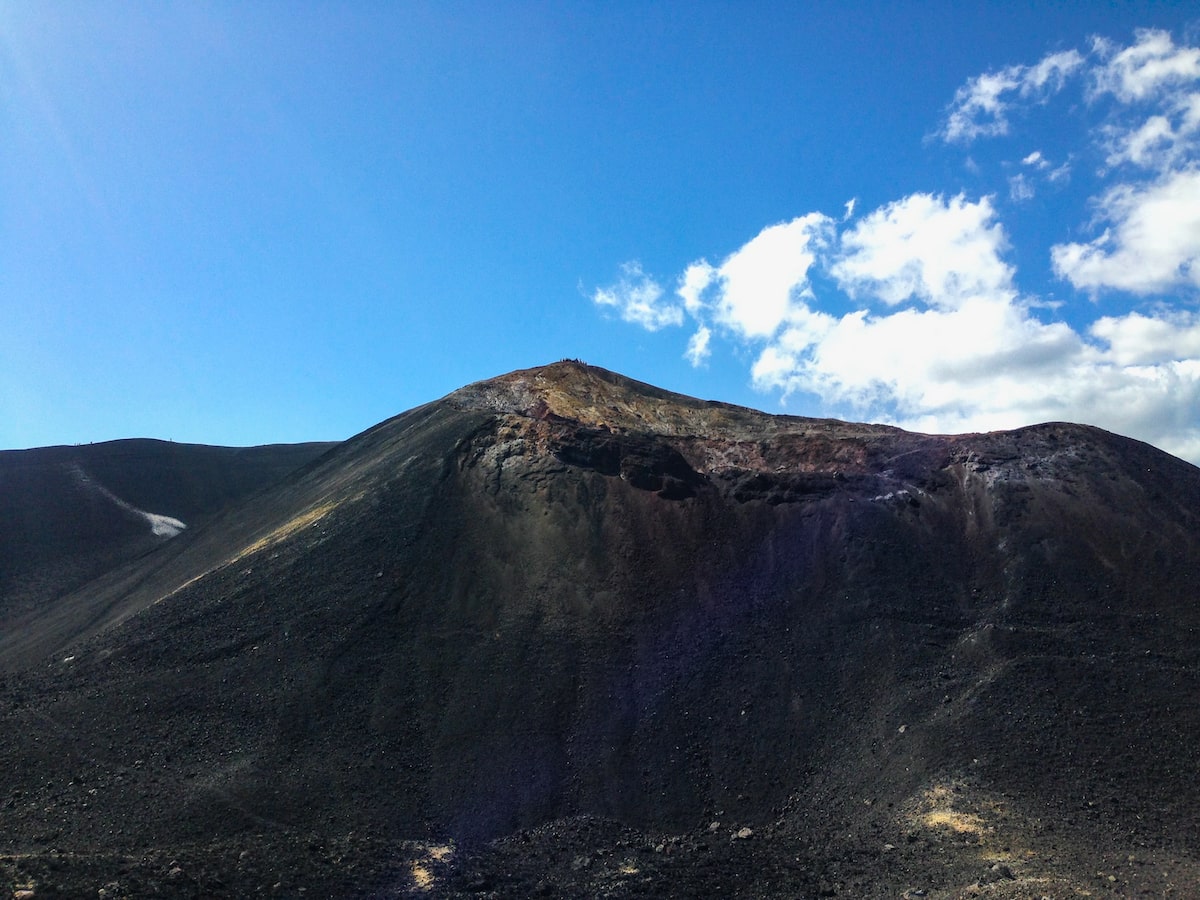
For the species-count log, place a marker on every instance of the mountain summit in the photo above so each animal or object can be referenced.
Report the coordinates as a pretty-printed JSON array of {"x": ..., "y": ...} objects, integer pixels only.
[{"x": 565, "y": 632}]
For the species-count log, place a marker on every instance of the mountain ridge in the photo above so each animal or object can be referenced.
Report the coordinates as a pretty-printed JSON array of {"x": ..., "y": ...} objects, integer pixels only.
[{"x": 86, "y": 507}]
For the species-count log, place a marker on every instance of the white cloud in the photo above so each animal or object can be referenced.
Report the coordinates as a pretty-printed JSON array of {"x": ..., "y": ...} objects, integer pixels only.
[
  {"x": 1136, "y": 339},
  {"x": 1049, "y": 75},
  {"x": 1153, "y": 243},
  {"x": 693, "y": 283},
  {"x": 938, "y": 251},
  {"x": 1152, "y": 64},
  {"x": 980, "y": 107},
  {"x": 940, "y": 358},
  {"x": 638, "y": 298},
  {"x": 698, "y": 351},
  {"x": 1062, "y": 173},
  {"x": 1163, "y": 140},
  {"x": 943, "y": 363},
  {"x": 758, "y": 286},
  {"x": 850, "y": 204},
  {"x": 1036, "y": 160}
]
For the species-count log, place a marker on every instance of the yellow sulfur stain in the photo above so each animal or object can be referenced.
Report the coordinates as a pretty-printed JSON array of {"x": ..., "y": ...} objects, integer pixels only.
[
  {"x": 963, "y": 823},
  {"x": 441, "y": 852},
  {"x": 287, "y": 529},
  {"x": 422, "y": 871},
  {"x": 937, "y": 811},
  {"x": 422, "y": 877}
]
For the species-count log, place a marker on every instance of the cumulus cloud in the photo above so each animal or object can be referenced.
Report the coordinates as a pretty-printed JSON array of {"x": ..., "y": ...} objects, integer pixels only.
[
  {"x": 940, "y": 356},
  {"x": 980, "y": 107},
  {"x": 942, "y": 252},
  {"x": 693, "y": 283},
  {"x": 639, "y": 299},
  {"x": 975, "y": 366},
  {"x": 1136, "y": 339},
  {"x": 758, "y": 286},
  {"x": 1152, "y": 244}
]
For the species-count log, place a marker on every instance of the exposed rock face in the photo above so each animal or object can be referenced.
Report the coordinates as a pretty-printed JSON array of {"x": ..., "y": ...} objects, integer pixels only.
[{"x": 561, "y": 593}]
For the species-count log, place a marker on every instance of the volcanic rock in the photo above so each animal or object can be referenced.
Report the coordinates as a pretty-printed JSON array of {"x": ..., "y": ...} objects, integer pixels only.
[{"x": 563, "y": 615}]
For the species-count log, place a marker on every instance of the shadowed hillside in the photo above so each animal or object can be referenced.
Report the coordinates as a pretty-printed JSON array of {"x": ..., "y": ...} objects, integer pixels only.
[
  {"x": 563, "y": 632},
  {"x": 73, "y": 512}
]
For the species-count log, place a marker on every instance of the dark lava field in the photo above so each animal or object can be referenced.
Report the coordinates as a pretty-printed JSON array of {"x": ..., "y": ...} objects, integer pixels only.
[{"x": 564, "y": 634}]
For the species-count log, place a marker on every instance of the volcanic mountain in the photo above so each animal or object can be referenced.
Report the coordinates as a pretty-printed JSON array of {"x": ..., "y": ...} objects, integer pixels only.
[{"x": 564, "y": 633}]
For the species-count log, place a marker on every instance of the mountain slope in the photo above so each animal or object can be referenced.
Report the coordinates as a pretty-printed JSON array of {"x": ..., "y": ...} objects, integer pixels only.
[
  {"x": 72, "y": 513},
  {"x": 562, "y": 593}
]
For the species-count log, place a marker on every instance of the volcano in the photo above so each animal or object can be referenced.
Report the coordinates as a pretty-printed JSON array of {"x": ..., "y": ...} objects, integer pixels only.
[{"x": 562, "y": 633}]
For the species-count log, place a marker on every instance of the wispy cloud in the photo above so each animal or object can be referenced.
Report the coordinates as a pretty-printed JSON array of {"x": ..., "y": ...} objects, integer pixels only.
[
  {"x": 1020, "y": 188},
  {"x": 639, "y": 299},
  {"x": 1151, "y": 65},
  {"x": 698, "y": 351},
  {"x": 1156, "y": 86},
  {"x": 981, "y": 107},
  {"x": 1164, "y": 140}
]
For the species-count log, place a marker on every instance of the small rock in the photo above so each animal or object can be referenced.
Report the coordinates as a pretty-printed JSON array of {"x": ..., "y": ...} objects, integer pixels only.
[
  {"x": 713, "y": 826},
  {"x": 902, "y": 729},
  {"x": 888, "y": 848},
  {"x": 743, "y": 833}
]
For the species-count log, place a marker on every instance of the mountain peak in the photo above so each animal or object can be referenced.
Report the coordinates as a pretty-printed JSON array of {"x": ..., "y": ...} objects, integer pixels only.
[
  {"x": 573, "y": 390},
  {"x": 596, "y": 397}
]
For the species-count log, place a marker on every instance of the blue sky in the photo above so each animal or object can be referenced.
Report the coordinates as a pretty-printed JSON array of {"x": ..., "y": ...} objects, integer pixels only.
[{"x": 243, "y": 223}]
